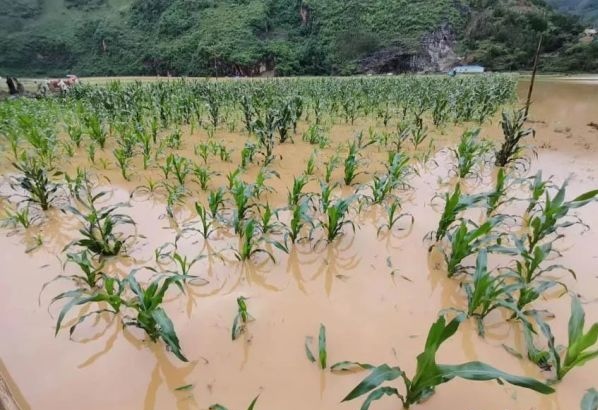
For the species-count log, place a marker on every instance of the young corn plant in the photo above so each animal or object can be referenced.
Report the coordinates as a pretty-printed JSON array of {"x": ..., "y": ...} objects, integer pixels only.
[
  {"x": 322, "y": 352},
  {"x": 250, "y": 242},
  {"x": 498, "y": 196},
  {"x": 18, "y": 217},
  {"x": 216, "y": 202},
  {"x": 351, "y": 170},
  {"x": 393, "y": 216},
  {"x": 454, "y": 204},
  {"x": 310, "y": 167},
  {"x": 465, "y": 242},
  {"x": 99, "y": 223},
  {"x": 296, "y": 193},
  {"x": 299, "y": 219},
  {"x": 514, "y": 131},
  {"x": 203, "y": 175},
  {"x": 180, "y": 167},
  {"x": 336, "y": 218},
  {"x": 122, "y": 159},
  {"x": 577, "y": 352},
  {"x": 95, "y": 129},
  {"x": 487, "y": 292},
  {"x": 36, "y": 184},
  {"x": 92, "y": 276},
  {"x": 331, "y": 165},
  {"x": 468, "y": 153},
  {"x": 315, "y": 136},
  {"x": 242, "y": 194},
  {"x": 248, "y": 154},
  {"x": 150, "y": 316},
  {"x": 241, "y": 319},
  {"x": 206, "y": 223},
  {"x": 429, "y": 374},
  {"x": 267, "y": 222}
]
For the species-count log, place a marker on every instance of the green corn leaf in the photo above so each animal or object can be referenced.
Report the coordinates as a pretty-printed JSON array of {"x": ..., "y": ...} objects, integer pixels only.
[
  {"x": 346, "y": 367},
  {"x": 590, "y": 400},
  {"x": 186, "y": 387},
  {"x": 308, "y": 353},
  {"x": 481, "y": 371},
  {"x": 167, "y": 332},
  {"x": 378, "y": 394},
  {"x": 322, "y": 354},
  {"x": 217, "y": 407},
  {"x": 576, "y": 321},
  {"x": 252, "y": 405},
  {"x": 378, "y": 376}
]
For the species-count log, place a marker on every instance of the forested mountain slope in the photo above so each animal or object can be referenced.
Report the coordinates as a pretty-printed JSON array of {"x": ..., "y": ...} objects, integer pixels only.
[
  {"x": 283, "y": 37},
  {"x": 586, "y": 9}
]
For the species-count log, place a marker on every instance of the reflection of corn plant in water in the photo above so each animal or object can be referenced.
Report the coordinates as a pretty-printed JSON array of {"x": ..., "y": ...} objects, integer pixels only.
[{"x": 429, "y": 374}]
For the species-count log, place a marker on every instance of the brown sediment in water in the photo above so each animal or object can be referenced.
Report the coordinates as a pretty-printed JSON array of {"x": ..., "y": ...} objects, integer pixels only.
[{"x": 377, "y": 296}]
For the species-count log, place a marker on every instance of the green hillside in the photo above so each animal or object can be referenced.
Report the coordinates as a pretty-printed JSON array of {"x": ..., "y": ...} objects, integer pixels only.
[
  {"x": 586, "y": 9},
  {"x": 284, "y": 37}
]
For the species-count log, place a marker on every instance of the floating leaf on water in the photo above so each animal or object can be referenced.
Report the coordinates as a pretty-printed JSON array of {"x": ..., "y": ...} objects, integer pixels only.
[
  {"x": 346, "y": 367},
  {"x": 186, "y": 387}
]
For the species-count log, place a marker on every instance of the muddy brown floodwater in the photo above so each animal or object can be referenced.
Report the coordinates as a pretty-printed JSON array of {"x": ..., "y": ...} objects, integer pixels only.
[{"x": 371, "y": 315}]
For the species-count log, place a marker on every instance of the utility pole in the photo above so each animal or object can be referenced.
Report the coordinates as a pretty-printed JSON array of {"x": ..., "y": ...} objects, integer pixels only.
[{"x": 531, "y": 85}]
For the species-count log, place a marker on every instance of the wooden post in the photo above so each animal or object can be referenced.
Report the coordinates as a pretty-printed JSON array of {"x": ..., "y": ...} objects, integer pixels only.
[{"x": 531, "y": 85}]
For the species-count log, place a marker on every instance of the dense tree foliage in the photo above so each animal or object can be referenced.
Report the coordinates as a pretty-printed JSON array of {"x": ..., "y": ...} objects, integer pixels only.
[{"x": 283, "y": 37}]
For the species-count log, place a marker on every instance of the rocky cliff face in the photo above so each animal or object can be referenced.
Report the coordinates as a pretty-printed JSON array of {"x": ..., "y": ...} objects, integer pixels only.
[{"x": 436, "y": 54}]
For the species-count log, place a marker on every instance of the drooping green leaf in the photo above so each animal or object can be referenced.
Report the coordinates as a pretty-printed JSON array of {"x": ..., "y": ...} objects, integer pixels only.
[
  {"x": 378, "y": 394},
  {"x": 167, "y": 332},
  {"x": 379, "y": 375},
  {"x": 346, "y": 367},
  {"x": 482, "y": 371}
]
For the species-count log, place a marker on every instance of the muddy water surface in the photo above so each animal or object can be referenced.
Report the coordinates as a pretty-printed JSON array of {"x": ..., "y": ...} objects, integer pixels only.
[{"x": 377, "y": 297}]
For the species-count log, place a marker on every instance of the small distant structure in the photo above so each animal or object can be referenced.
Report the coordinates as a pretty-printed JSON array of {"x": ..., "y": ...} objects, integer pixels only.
[
  {"x": 589, "y": 35},
  {"x": 467, "y": 69}
]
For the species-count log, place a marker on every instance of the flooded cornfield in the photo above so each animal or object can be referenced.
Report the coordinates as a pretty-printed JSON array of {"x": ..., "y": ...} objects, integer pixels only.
[{"x": 312, "y": 243}]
